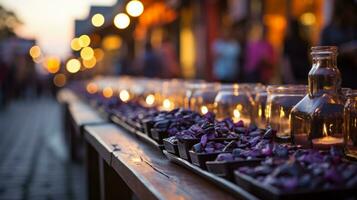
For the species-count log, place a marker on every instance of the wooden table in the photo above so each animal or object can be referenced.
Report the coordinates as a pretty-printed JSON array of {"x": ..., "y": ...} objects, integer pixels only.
[{"x": 120, "y": 165}]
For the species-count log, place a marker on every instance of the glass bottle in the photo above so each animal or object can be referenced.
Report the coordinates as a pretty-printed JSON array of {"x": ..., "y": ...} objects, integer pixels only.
[
  {"x": 317, "y": 120},
  {"x": 350, "y": 133}
]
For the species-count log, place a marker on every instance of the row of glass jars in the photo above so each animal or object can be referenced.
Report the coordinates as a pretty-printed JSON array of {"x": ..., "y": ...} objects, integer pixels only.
[{"x": 252, "y": 103}]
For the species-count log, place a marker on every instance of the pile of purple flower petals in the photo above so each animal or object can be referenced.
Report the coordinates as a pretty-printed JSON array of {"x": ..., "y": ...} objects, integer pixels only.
[{"x": 306, "y": 169}]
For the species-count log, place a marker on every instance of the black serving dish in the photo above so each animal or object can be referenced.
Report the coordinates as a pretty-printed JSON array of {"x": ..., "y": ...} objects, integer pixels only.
[
  {"x": 230, "y": 187},
  {"x": 147, "y": 126},
  {"x": 158, "y": 135},
  {"x": 171, "y": 147},
  {"x": 269, "y": 192},
  {"x": 184, "y": 146},
  {"x": 200, "y": 159},
  {"x": 226, "y": 169}
]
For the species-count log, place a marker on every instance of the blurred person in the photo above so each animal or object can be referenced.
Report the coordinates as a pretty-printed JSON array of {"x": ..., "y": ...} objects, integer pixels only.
[
  {"x": 260, "y": 57},
  {"x": 151, "y": 63},
  {"x": 226, "y": 52},
  {"x": 342, "y": 32},
  {"x": 168, "y": 55},
  {"x": 240, "y": 29},
  {"x": 295, "y": 63}
]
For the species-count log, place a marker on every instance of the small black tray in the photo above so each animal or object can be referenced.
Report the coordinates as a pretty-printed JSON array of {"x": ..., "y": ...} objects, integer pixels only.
[
  {"x": 226, "y": 169},
  {"x": 147, "y": 125},
  {"x": 170, "y": 147},
  {"x": 184, "y": 147},
  {"x": 230, "y": 187},
  {"x": 272, "y": 193},
  {"x": 158, "y": 135},
  {"x": 200, "y": 159}
]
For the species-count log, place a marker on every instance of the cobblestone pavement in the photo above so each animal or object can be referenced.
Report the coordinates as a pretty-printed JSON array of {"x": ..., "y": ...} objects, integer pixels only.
[{"x": 34, "y": 163}]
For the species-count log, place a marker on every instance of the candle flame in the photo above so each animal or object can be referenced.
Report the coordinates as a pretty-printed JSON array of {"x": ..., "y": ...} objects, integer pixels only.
[
  {"x": 236, "y": 113},
  {"x": 150, "y": 99},
  {"x": 167, "y": 104},
  {"x": 204, "y": 109},
  {"x": 124, "y": 95}
]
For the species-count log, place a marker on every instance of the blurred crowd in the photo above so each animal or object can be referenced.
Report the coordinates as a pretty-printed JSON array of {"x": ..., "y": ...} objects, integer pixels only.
[{"x": 241, "y": 52}]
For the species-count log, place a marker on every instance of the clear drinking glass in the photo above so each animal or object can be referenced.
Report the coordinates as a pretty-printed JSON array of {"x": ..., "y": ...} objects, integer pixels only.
[{"x": 202, "y": 99}]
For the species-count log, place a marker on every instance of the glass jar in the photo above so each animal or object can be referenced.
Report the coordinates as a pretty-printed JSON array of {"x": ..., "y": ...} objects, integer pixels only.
[
  {"x": 350, "y": 122},
  {"x": 202, "y": 99},
  {"x": 234, "y": 101},
  {"x": 259, "y": 108},
  {"x": 317, "y": 120},
  {"x": 173, "y": 94},
  {"x": 280, "y": 100}
]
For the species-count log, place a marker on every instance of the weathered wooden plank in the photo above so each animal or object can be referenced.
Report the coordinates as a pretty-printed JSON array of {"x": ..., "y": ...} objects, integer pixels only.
[{"x": 146, "y": 170}]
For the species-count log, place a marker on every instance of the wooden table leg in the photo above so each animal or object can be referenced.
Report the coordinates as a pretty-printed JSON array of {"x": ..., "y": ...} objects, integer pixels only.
[
  {"x": 92, "y": 167},
  {"x": 112, "y": 186}
]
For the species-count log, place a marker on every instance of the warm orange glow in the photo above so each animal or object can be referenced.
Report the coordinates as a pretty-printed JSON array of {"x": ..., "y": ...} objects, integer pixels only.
[
  {"x": 98, "y": 54},
  {"x": 87, "y": 53},
  {"x": 111, "y": 42},
  {"x": 75, "y": 44},
  {"x": 35, "y": 52},
  {"x": 124, "y": 95},
  {"x": 98, "y": 20},
  {"x": 187, "y": 52},
  {"x": 308, "y": 19},
  {"x": 52, "y": 64},
  {"x": 121, "y": 21},
  {"x": 84, "y": 40},
  {"x": 59, "y": 80},
  {"x": 167, "y": 104},
  {"x": 73, "y": 65},
  {"x": 135, "y": 8},
  {"x": 92, "y": 88},
  {"x": 89, "y": 63},
  {"x": 107, "y": 92}
]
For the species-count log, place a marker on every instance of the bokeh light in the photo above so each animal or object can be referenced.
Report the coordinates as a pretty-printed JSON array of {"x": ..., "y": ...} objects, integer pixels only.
[
  {"x": 107, "y": 92},
  {"x": 124, "y": 95},
  {"x": 135, "y": 8},
  {"x": 35, "y": 52},
  {"x": 73, "y": 65},
  {"x": 121, "y": 21},
  {"x": 98, "y": 20},
  {"x": 59, "y": 80},
  {"x": 150, "y": 99},
  {"x": 52, "y": 64},
  {"x": 92, "y": 88},
  {"x": 84, "y": 40},
  {"x": 111, "y": 42},
  {"x": 75, "y": 44},
  {"x": 98, "y": 54},
  {"x": 308, "y": 19},
  {"x": 89, "y": 63},
  {"x": 87, "y": 53}
]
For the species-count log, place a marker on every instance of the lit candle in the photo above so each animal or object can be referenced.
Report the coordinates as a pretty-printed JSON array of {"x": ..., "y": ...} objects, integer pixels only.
[
  {"x": 150, "y": 99},
  {"x": 326, "y": 141},
  {"x": 204, "y": 109},
  {"x": 124, "y": 95},
  {"x": 237, "y": 116}
]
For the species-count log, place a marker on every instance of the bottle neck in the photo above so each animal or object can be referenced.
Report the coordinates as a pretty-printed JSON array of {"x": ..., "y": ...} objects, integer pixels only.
[{"x": 324, "y": 76}]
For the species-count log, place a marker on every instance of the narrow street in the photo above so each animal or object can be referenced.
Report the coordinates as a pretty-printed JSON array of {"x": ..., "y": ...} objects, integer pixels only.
[{"x": 33, "y": 160}]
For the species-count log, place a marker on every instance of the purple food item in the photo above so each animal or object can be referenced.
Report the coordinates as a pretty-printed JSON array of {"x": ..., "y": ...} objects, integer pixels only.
[
  {"x": 225, "y": 157},
  {"x": 204, "y": 140}
]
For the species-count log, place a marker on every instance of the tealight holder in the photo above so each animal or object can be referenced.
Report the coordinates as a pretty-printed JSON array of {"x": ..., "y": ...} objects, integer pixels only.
[
  {"x": 202, "y": 99},
  {"x": 259, "y": 108},
  {"x": 234, "y": 101},
  {"x": 280, "y": 100}
]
